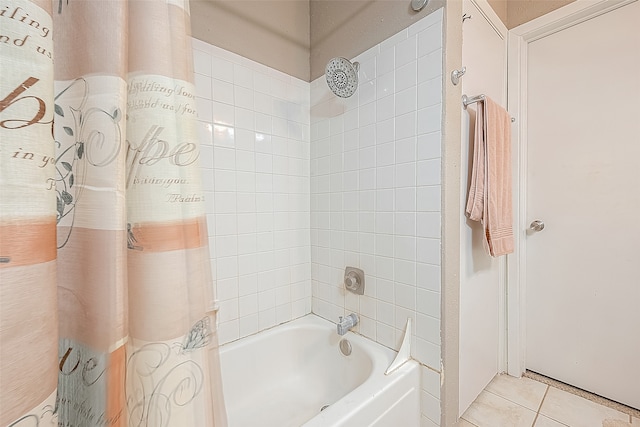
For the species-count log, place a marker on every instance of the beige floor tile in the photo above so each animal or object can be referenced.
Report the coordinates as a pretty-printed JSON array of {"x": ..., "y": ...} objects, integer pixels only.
[
  {"x": 523, "y": 391},
  {"x": 543, "y": 421},
  {"x": 465, "y": 423},
  {"x": 576, "y": 411},
  {"x": 490, "y": 410},
  {"x": 615, "y": 423}
]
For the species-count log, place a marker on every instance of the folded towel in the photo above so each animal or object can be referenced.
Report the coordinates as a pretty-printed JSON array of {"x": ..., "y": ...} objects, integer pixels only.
[{"x": 490, "y": 200}]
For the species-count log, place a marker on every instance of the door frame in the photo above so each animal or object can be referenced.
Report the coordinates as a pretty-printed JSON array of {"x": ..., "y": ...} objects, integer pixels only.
[{"x": 517, "y": 49}]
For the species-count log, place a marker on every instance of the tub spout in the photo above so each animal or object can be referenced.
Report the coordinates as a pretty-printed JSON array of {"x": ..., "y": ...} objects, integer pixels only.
[{"x": 346, "y": 323}]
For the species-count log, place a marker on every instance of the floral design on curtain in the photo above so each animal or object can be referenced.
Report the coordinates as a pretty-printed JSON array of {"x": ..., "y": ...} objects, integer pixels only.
[{"x": 106, "y": 305}]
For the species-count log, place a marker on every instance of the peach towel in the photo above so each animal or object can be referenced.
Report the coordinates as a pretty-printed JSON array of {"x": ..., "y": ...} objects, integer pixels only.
[{"x": 490, "y": 198}]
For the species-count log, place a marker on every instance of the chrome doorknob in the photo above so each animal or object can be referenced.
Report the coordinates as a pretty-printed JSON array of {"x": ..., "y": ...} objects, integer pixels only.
[{"x": 536, "y": 225}]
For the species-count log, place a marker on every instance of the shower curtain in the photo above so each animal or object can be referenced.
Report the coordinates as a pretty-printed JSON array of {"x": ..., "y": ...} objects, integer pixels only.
[{"x": 106, "y": 307}]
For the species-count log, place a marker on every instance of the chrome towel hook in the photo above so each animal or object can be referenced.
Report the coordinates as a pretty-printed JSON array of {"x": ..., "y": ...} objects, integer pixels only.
[{"x": 456, "y": 74}]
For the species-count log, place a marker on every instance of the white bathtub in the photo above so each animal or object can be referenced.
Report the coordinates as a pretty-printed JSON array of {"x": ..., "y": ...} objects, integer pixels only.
[{"x": 282, "y": 377}]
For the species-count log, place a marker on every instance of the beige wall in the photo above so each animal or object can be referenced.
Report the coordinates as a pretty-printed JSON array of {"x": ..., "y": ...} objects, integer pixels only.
[
  {"x": 272, "y": 32},
  {"x": 517, "y": 12},
  {"x": 348, "y": 28}
]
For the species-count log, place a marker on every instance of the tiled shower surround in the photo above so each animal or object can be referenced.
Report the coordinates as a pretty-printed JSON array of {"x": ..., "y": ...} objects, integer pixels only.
[
  {"x": 375, "y": 196},
  {"x": 254, "y": 127},
  {"x": 301, "y": 184}
]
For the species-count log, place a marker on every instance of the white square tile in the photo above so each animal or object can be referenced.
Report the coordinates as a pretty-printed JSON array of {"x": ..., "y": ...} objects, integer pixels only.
[
  {"x": 429, "y": 40},
  {"x": 430, "y": 381},
  {"x": 428, "y": 225},
  {"x": 367, "y": 179},
  {"x": 225, "y": 180},
  {"x": 385, "y": 132},
  {"x": 248, "y": 325},
  {"x": 428, "y": 172},
  {"x": 367, "y": 70},
  {"x": 406, "y": 51},
  {"x": 227, "y": 267},
  {"x": 405, "y": 223},
  {"x": 384, "y": 267},
  {"x": 405, "y": 199},
  {"x": 429, "y": 146},
  {"x": 384, "y": 222},
  {"x": 202, "y": 62},
  {"x": 222, "y": 69},
  {"x": 385, "y": 85},
  {"x": 428, "y": 250},
  {"x": 350, "y": 120},
  {"x": 226, "y": 224},
  {"x": 406, "y": 125},
  {"x": 430, "y": 405},
  {"x": 385, "y": 108},
  {"x": 205, "y": 109},
  {"x": 405, "y": 247},
  {"x": 428, "y": 276},
  {"x": 430, "y": 92},
  {"x": 385, "y": 154},
  {"x": 248, "y": 304},
  {"x": 405, "y": 175},
  {"x": 366, "y": 136},
  {"x": 224, "y": 158},
  {"x": 430, "y": 119},
  {"x": 427, "y": 353},
  {"x": 385, "y": 61},
  {"x": 263, "y": 123},
  {"x": 405, "y": 150},
  {"x": 406, "y": 76},
  {"x": 223, "y": 114},
  {"x": 385, "y": 177},
  {"x": 428, "y": 198},
  {"x": 222, "y": 91},
  {"x": 428, "y": 302},
  {"x": 367, "y": 115},
  {"x": 227, "y": 289},
  {"x": 430, "y": 66},
  {"x": 406, "y": 102},
  {"x": 205, "y": 133},
  {"x": 261, "y": 82},
  {"x": 203, "y": 86},
  {"x": 244, "y": 118},
  {"x": 242, "y": 76},
  {"x": 384, "y": 245},
  {"x": 404, "y": 271},
  {"x": 367, "y": 92},
  {"x": 405, "y": 296}
]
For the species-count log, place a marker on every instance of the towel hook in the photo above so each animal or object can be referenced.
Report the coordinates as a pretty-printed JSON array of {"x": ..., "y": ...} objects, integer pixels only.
[{"x": 456, "y": 74}]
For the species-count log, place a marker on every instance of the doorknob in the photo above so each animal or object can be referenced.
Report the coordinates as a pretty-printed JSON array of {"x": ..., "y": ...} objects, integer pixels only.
[{"x": 536, "y": 225}]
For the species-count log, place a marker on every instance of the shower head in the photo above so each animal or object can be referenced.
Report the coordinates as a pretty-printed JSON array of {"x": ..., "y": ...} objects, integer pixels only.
[{"x": 342, "y": 76}]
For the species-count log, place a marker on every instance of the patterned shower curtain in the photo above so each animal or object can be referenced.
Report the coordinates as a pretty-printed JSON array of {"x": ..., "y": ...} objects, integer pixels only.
[{"x": 107, "y": 316}]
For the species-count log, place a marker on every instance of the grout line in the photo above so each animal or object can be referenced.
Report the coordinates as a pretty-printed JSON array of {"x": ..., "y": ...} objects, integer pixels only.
[{"x": 540, "y": 406}]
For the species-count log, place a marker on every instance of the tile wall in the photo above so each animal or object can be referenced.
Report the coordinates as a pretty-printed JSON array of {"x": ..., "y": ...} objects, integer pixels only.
[
  {"x": 254, "y": 130},
  {"x": 375, "y": 196},
  {"x": 300, "y": 183}
]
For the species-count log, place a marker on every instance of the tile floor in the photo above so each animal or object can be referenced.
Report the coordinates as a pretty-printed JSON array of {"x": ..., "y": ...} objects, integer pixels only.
[{"x": 523, "y": 402}]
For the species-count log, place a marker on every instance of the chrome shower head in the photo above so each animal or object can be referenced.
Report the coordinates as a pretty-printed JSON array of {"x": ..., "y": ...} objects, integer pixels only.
[{"x": 342, "y": 76}]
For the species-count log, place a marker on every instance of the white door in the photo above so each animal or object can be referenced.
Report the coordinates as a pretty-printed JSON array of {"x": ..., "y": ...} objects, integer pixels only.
[
  {"x": 484, "y": 55},
  {"x": 583, "y": 182}
]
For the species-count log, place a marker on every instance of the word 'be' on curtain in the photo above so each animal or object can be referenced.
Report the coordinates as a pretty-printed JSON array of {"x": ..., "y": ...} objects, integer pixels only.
[{"x": 105, "y": 284}]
